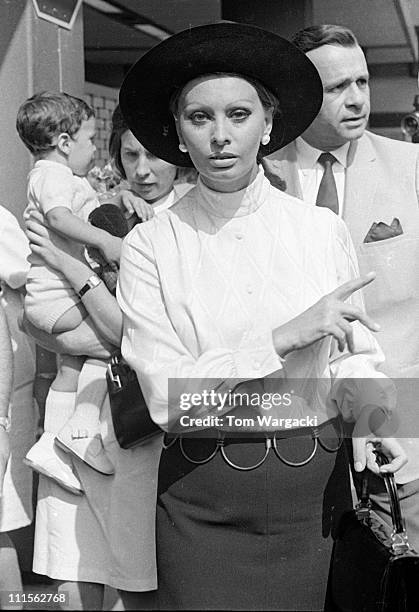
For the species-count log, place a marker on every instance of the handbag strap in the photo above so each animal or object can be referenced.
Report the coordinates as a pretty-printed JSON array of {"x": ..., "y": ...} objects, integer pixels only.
[
  {"x": 399, "y": 539},
  {"x": 390, "y": 483}
]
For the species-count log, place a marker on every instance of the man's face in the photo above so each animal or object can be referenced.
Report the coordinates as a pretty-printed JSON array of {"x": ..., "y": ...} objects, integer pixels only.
[{"x": 346, "y": 96}]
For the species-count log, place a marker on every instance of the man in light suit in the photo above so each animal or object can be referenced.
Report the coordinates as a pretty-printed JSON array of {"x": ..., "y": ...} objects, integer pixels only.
[{"x": 376, "y": 192}]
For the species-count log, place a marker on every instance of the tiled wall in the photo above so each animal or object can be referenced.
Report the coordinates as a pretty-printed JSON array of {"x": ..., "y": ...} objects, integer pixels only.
[{"x": 103, "y": 100}]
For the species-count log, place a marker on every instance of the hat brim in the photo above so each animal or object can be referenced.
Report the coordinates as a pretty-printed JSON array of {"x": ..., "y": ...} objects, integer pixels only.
[{"x": 222, "y": 47}]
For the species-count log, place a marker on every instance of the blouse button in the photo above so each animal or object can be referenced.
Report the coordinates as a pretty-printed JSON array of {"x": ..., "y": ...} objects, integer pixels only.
[
  {"x": 249, "y": 289},
  {"x": 239, "y": 236},
  {"x": 256, "y": 365}
]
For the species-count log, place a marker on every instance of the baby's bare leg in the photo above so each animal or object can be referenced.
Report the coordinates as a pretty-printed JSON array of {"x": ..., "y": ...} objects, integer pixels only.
[
  {"x": 90, "y": 383},
  {"x": 81, "y": 434},
  {"x": 66, "y": 380},
  {"x": 91, "y": 392},
  {"x": 68, "y": 371}
]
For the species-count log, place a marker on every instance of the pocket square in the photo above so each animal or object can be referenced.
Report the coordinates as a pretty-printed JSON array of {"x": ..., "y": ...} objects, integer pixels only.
[{"x": 382, "y": 231}]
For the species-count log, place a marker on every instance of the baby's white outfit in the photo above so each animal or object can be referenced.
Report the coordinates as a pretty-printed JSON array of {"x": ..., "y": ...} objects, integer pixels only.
[{"x": 51, "y": 184}]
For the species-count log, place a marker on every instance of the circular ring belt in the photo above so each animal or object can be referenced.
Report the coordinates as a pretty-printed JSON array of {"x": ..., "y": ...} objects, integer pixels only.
[{"x": 271, "y": 442}]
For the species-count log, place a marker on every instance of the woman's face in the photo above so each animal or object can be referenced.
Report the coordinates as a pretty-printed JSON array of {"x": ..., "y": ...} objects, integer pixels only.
[
  {"x": 221, "y": 122},
  {"x": 149, "y": 177}
]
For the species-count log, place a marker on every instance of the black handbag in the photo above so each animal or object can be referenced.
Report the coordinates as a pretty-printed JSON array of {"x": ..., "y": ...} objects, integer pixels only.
[
  {"x": 130, "y": 416},
  {"x": 373, "y": 568}
]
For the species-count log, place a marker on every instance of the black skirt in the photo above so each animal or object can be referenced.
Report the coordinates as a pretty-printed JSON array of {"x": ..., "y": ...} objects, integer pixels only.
[{"x": 248, "y": 540}]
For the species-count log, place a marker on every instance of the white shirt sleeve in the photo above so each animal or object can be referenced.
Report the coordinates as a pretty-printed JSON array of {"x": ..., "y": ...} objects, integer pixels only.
[
  {"x": 14, "y": 250},
  {"x": 51, "y": 188},
  {"x": 155, "y": 351}
]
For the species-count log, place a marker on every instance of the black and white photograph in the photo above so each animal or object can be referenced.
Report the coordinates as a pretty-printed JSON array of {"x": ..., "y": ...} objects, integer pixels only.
[{"x": 217, "y": 406}]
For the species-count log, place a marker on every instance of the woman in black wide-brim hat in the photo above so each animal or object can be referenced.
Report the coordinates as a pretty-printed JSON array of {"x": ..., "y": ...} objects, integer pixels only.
[{"x": 239, "y": 288}]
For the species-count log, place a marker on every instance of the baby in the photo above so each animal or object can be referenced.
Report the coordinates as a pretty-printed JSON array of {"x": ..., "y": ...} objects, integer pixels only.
[{"x": 59, "y": 129}]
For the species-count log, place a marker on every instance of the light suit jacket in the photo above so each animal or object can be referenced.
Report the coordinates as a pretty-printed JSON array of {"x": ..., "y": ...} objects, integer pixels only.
[{"x": 382, "y": 183}]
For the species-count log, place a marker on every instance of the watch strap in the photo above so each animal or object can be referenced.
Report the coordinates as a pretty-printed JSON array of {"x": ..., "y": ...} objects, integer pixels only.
[{"x": 92, "y": 281}]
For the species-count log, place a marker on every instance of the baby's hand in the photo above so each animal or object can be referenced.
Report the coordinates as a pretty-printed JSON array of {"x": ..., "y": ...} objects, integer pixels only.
[
  {"x": 111, "y": 250},
  {"x": 134, "y": 204}
]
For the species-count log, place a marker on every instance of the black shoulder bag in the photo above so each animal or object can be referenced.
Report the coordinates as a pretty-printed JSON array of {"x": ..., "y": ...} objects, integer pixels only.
[{"x": 130, "y": 416}]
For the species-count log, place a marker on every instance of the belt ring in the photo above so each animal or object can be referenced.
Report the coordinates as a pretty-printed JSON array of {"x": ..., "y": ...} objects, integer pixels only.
[
  {"x": 165, "y": 445},
  {"x": 199, "y": 461},
  {"x": 295, "y": 463},
  {"x": 340, "y": 440},
  {"x": 268, "y": 445}
]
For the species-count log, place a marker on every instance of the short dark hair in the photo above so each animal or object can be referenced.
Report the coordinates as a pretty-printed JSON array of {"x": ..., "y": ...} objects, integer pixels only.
[
  {"x": 46, "y": 115},
  {"x": 119, "y": 126},
  {"x": 327, "y": 34}
]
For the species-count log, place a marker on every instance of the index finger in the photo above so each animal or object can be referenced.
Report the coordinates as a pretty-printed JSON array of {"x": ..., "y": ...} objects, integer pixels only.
[
  {"x": 126, "y": 203},
  {"x": 359, "y": 453},
  {"x": 36, "y": 215},
  {"x": 398, "y": 456},
  {"x": 150, "y": 212},
  {"x": 347, "y": 289},
  {"x": 34, "y": 231},
  {"x": 35, "y": 223},
  {"x": 138, "y": 205}
]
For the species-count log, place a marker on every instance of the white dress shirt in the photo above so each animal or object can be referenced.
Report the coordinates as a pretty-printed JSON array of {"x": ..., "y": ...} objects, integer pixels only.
[{"x": 310, "y": 172}]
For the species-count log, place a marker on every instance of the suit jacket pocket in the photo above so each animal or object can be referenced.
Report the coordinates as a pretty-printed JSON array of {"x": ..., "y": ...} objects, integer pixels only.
[{"x": 396, "y": 263}]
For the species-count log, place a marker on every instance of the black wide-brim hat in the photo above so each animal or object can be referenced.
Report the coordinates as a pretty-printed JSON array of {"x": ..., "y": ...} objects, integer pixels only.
[{"x": 220, "y": 47}]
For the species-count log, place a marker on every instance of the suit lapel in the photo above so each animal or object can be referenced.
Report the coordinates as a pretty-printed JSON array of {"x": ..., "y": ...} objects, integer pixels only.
[{"x": 360, "y": 188}]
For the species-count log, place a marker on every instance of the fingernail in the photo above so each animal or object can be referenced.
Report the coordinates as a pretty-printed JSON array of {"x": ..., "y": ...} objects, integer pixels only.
[
  {"x": 358, "y": 466},
  {"x": 377, "y": 326}
]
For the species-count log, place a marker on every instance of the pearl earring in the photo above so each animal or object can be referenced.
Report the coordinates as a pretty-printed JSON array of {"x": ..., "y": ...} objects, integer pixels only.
[
  {"x": 182, "y": 148},
  {"x": 265, "y": 139}
]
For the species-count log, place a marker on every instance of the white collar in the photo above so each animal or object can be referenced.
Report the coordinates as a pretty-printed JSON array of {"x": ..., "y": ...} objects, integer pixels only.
[
  {"x": 165, "y": 202},
  {"x": 308, "y": 155},
  {"x": 237, "y": 203},
  {"x": 49, "y": 163}
]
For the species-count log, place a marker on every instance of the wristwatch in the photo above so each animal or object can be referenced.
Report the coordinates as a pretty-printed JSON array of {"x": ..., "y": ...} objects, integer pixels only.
[
  {"x": 5, "y": 423},
  {"x": 92, "y": 281}
]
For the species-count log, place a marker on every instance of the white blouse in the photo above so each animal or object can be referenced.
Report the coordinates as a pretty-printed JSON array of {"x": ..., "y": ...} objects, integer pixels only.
[{"x": 203, "y": 284}]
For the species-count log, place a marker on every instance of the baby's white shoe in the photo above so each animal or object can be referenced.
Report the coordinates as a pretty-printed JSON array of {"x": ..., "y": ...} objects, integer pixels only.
[
  {"x": 44, "y": 457},
  {"x": 86, "y": 447}
]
